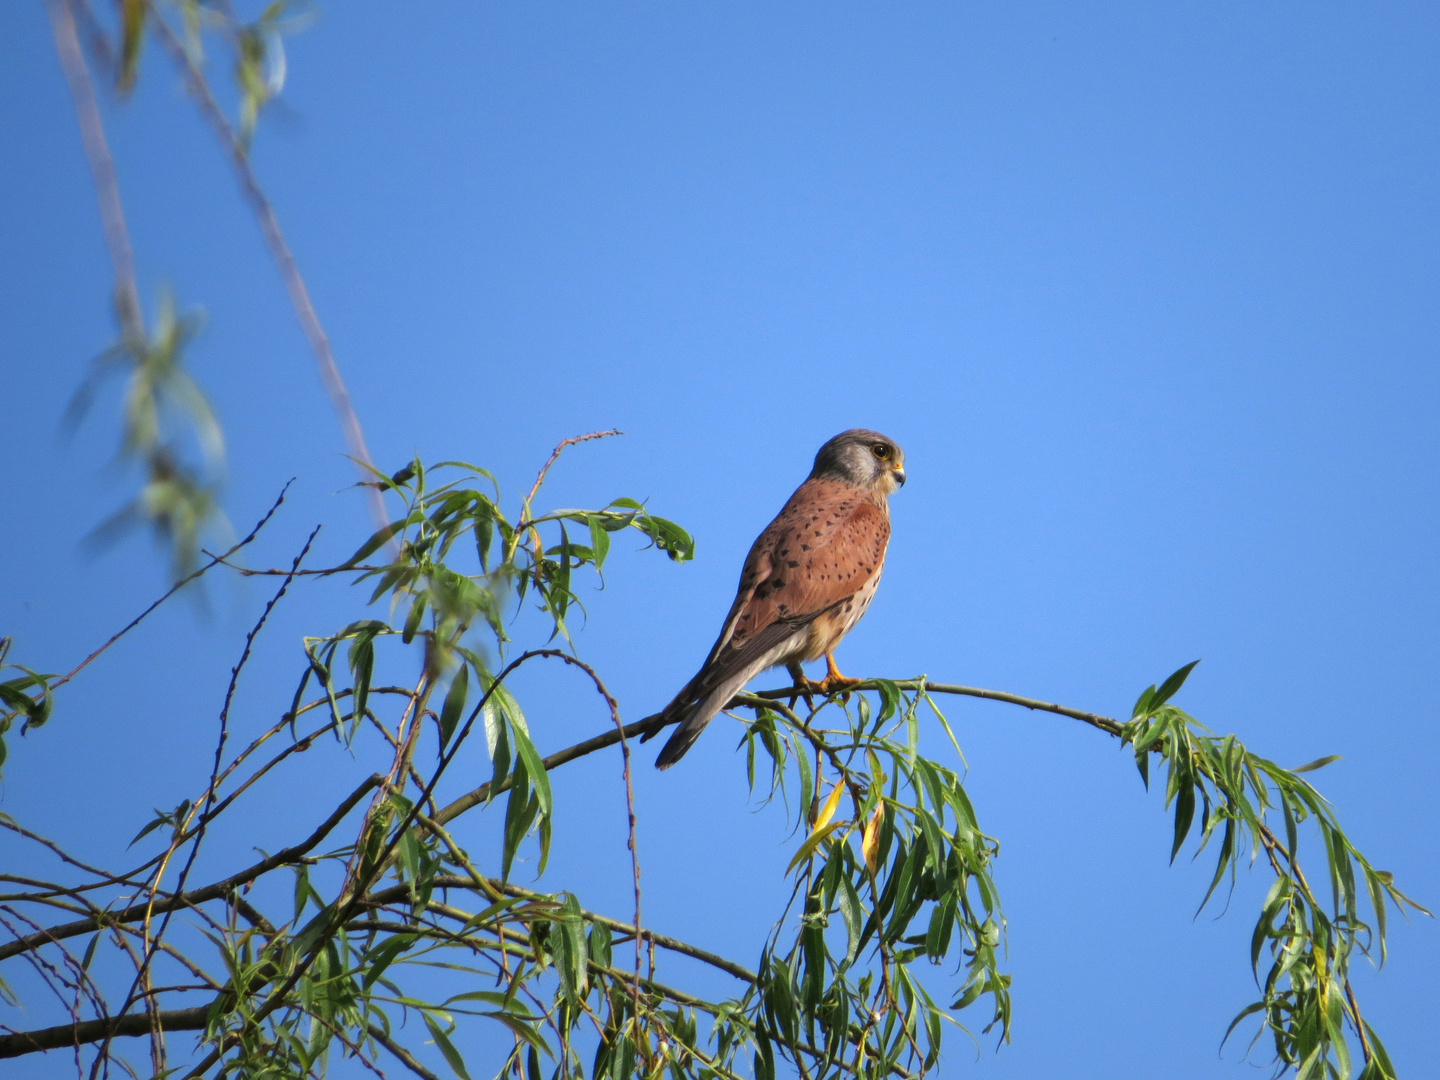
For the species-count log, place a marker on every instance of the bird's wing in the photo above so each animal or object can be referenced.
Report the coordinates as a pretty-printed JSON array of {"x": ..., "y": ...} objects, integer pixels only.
[{"x": 820, "y": 550}]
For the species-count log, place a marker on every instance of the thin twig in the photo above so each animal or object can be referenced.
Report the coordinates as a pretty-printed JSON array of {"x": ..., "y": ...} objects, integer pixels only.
[
  {"x": 212, "y": 891},
  {"x": 210, "y": 791},
  {"x": 102, "y": 169},
  {"x": 176, "y": 588},
  {"x": 280, "y": 252},
  {"x": 554, "y": 454},
  {"x": 404, "y": 1056},
  {"x": 629, "y": 799},
  {"x": 527, "y": 519}
]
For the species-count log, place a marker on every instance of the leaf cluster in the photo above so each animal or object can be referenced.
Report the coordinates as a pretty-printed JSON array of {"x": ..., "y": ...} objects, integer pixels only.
[
  {"x": 381, "y": 936},
  {"x": 1307, "y": 1004}
]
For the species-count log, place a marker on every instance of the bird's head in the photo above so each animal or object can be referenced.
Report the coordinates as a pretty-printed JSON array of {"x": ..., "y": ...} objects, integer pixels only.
[{"x": 865, "y": 459}]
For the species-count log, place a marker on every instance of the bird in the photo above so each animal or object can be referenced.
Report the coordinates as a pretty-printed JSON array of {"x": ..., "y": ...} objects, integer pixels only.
[{"x": 809, "y": 577}]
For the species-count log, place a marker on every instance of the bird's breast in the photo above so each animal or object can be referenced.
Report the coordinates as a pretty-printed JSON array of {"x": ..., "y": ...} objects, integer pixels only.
[{"x": 829, "y": 627}]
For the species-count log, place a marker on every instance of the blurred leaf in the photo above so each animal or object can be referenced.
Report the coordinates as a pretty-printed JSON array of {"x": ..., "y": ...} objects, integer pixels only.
[
  {"x": 132, "y": 37},
  {"x": 454, "y": 704},
  {"x": 1318, "y": 763}
]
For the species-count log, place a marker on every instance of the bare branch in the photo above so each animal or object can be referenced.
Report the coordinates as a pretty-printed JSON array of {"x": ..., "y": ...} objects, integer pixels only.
[
  {"x": 89, "y": 1031},
  {"x": 215, "y": 891},
  {"x": 178, "y": 585},
  {"x": 404, "y": 1056},
  {"x": 140, "y": 982},
  {"x": 554, "y": 454}
]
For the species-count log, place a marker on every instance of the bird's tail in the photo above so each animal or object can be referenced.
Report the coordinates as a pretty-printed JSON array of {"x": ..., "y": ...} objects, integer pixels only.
[{"x": 701, "y": 713}]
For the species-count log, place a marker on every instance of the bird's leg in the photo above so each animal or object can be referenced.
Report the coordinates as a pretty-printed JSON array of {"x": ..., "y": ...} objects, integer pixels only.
[
  {"x": 803, "y": 686},
  {"x": 833, "y": 679}
]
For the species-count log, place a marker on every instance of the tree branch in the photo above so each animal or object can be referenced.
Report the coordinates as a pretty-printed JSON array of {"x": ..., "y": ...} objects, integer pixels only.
[
  {"x": 454, "y": 881},
  {"x": 102, "y": 169},
  {"x": 215, "y": 891},
  {"x": 1095, "y": 720},
  {"x": 280, "y": 252},
  {"x": 89, "y": 1031},
  {"x": 177, "y": 587},
  {"x": 480, "y": 794}
]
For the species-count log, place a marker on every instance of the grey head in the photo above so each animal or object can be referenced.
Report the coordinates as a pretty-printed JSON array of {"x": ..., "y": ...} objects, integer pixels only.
[{"x": 862, "y": 458}]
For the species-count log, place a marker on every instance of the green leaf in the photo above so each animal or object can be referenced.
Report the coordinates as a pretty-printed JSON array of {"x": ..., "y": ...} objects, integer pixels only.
[
  {"x": 452, "y": 1056},
  {"x": 534, "y": 767},
  {"x": 160, "y": 819},
  {"x": 412, "y": 621},
  {"x": 484, "y": 525},
  {"x": 1171, "y": 686},
  {"x": 1318, "y": 763},
  {"x": 499, "y": 742},
  {"x": 599, "y": 539},
  {"x": 600, "y": 944},
  {"x": 1142, "y": 703},
  {"x": 524, "y": 1030},
  {"x": 454, "y": 704},
  {"x": 890, "y": 700},
  {"x": 382, "y": 956},
  {"x": 1184, "y": 815},
  {"x": 382, "y": 536},
  {"x": 1227, "y": 849},
  {"x": 764, "y": 1056},
  {"x": 571, "y": 956},
  {"x": 848, "y": 900},
  {"x": 518, "y": 816}
]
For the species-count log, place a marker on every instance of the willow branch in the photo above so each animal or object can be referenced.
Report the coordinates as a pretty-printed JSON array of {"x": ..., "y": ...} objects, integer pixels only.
[
  {"x": 177, "y": 587},
  {"x": 280, "y": 252},
  {"x": 1095, "y": 720},
  {"x": 648, "y": 725},
  {"x": 672, "y": 944},
  {"x": 215, "y": 891},
  {"x": 102, "y": 169},
  {"x": 401, "y": 1054},
  {"x": 89, "y": 1031},
  {"x": 142, "y": 976}
]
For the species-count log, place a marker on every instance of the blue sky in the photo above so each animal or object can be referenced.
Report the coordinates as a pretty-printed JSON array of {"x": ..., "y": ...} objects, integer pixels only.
[{"x": 1146, "y": 292}]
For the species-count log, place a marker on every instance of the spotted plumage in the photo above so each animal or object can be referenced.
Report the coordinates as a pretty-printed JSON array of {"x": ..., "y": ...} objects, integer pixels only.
[{"x": 807, "y": 581}]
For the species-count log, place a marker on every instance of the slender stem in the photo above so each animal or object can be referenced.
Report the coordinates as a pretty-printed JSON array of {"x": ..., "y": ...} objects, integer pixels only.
[
  {"x": 280, "y": 252},
  {"x": 102, "y": 169},
  {"x": 214, "y": 891},
  {"x": 177, "y": 586},
  {"x": 402, "y": 1055},
  {"x": 142, "y": 976}
]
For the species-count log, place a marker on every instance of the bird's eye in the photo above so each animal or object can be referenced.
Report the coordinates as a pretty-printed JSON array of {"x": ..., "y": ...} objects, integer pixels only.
[{"x": 880, "y": 450}]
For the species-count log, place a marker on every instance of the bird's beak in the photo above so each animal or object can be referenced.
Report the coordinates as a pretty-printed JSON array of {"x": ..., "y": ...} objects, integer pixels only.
[{"x": 899, "y": 475}]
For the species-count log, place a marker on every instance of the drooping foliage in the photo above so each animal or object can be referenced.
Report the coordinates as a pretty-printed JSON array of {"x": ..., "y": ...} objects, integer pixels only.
[{"x": 392, "y": 935}]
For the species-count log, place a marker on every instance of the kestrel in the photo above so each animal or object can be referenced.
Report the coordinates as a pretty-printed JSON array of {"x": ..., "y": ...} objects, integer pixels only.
[{"x": 807, "y": 580}]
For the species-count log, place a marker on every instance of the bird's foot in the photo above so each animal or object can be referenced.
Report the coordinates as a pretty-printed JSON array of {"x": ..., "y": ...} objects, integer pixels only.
[
  {"x": 832, "y": 684},
  {"x": 834, "y": 681},
  {"x": 803, "y": 686}
]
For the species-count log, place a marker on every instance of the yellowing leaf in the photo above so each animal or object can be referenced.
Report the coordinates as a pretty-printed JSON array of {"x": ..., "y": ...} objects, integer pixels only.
[
  {"x": 814, "y": 840},
  {"x": 828, "y": 810},
  {"x": 823, "y": 826},
  {"x": 870, "y": 841}
]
